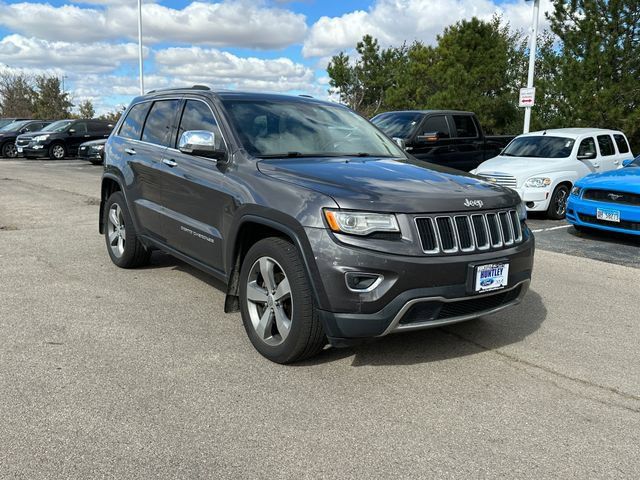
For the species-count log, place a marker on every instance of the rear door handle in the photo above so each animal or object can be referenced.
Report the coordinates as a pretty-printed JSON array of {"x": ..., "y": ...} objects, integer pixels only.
[
  {"x": 168, "y": 161},
  {"x": 130, "y": 151}
]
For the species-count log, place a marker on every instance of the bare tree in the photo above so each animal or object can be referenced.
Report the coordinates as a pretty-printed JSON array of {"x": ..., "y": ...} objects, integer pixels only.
[{"x": 17, "y": 95}]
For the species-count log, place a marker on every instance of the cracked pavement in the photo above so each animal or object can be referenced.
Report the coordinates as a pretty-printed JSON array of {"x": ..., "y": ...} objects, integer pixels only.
[{"x": 138, "y": 373}]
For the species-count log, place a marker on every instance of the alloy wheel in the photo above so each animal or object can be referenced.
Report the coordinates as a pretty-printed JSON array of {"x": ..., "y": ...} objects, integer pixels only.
[
  {"x": 10, "y": 151},
  {"x": 269, "y": 301},
  {"x": 561, "y": 202},
  {"x": 58, "y": 151},
  {"x": 116, "y": 232}
]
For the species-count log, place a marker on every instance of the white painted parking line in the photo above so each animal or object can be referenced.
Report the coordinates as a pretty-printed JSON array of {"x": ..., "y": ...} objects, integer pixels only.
[{"x": 549, "y": 229}]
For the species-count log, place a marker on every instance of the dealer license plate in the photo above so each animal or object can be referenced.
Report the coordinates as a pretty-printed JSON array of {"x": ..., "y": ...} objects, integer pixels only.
[
  {"x": 19, "y": 149},
  {"x": 608, "y": 215},
  {"x": 492, "y": 277}
]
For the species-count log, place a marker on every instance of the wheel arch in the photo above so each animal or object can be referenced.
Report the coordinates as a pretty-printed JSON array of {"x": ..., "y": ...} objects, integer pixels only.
[
  {"x": 253, "y": 228},
  {"x": 109, "y": 185}
]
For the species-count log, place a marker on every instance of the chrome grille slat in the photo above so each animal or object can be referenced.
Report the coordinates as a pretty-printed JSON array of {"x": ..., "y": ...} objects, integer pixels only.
[
  {"x": 501, "y": 179},
  {"x": 448, "y": 234}
]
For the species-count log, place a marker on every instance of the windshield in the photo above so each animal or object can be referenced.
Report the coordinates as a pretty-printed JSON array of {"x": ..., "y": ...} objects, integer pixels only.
[
  {"x": 397, "y": 124},
  {"x": 58, "y": 126},
  {"x": 13, "y": 126},
  {"x": 539, "y": 147},
  {"x": 294, "y": 128}
]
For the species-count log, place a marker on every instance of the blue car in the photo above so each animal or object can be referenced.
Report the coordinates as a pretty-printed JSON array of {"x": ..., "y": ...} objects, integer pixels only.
[{"x": 608, "y": 201}]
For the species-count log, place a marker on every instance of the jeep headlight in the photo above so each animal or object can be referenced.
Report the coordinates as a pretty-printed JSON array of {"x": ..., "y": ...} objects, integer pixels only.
[
  {"x": 576, "y": 191},
  {"x": 521, "y": 208},
  {"x": 40, "y": 138},
  {"x": 537, "y": 182},
  {"x": 360, "y": 223}
]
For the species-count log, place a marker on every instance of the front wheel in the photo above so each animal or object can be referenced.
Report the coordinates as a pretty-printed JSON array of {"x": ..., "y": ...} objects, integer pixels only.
[
  {"x": 124, "y": 247},
  {"x": 558, "y": 205},
  {"x": 9, "y": 150},
  {"x": 277, "y": 304},
  {"x": 57, "y": 151}
]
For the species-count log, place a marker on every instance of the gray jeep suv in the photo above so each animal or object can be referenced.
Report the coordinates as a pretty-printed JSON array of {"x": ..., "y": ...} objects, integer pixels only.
[{"x": 321, "y": 227}]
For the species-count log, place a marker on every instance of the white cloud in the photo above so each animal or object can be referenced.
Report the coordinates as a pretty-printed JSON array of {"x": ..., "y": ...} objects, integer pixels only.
[
  {"x": 19, "y": 51},
  {"x": 239, "y": 24},
  {"x": 223, "y": 69},
  {"x": 394, "y": 22}
]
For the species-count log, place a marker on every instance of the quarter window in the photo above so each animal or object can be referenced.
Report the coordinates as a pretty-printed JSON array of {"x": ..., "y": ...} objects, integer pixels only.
[
  {"x": 621, "y": 142},
  {"x": 132, "y": 125},
  {"x": 587, "y": 147},
  {"x": 157, "y": 128},
  {"x": 606, "y": 145},
  {"x": 465, "y": 126},
  {"x": 197, "y": 116},
  {"x": 438, "y": 124}
]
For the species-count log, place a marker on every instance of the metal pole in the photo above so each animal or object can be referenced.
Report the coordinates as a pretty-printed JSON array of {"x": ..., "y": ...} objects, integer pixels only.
[
  {"x": 532, "y": 60},
  {"x": 140, "y": 47}
]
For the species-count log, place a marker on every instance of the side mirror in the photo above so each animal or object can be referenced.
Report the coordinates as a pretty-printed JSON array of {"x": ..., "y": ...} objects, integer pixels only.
[
  {"x": 400, "y": 142},
  {"x": 201, "y": 143},
  {"x": 428, "y": 137},
  {"x": 627, "y": 162},
  {"x": 71, "y": 131},
  {"x": 587, "y": 156}
]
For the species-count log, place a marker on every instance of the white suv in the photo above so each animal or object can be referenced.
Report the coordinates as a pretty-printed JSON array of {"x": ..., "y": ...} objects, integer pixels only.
[{"x": 543, "y": 166}]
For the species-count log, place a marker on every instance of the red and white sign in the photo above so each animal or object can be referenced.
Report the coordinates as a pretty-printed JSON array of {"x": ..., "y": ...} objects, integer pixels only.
[{"x": 527, "y": 97}]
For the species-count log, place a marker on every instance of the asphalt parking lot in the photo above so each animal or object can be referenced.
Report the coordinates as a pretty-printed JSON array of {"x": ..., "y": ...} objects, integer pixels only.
[{"x": 139, "y": 374}]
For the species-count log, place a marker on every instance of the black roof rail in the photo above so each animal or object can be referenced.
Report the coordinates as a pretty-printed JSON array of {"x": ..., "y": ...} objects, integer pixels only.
[
  {"x": 305, "y": 95},
  {"x": 193, "y": 87}
]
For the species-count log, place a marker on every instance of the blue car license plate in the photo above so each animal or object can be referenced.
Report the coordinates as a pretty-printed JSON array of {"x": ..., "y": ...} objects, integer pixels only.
[
  {"x": 491, "y": 277},
  {"x": 608, "y": 215}
]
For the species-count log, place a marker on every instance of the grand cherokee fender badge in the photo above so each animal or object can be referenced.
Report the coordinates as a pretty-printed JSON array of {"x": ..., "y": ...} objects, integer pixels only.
[{"x": 473, "y": 203}]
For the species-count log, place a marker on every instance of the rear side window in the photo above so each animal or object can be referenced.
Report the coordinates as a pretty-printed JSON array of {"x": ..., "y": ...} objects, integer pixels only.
[
  {"x": 465, "y": 127},
  {"x": 157, "y": 128},
  {"x": 197, "y": 116},
  {"x": 437, "y": 124},
  {"x": 132, "y": 125},
  {"x": 621, "y": 142},
  {"x": 606, "y": 145},
  {"x": 80, "y": 127},
  {"x": 587, "y": 147}
]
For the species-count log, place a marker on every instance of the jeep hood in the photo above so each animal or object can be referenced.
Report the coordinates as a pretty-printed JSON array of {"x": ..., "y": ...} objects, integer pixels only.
[{"x": 390, "y": 185}]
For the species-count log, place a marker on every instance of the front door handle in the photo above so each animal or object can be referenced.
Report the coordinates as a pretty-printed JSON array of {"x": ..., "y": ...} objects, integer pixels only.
[
  {"x": 168, "y": 161},
  {"x": 130, "y": 151}
]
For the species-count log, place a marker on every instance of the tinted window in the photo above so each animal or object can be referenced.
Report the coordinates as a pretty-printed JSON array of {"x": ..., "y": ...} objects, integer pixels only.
[
  {"x": 157, "y": 128},
  {"x": 587, "y": 147},
  {"x": 621, "y": 142},
  {"x": 436, "y": 124},
  {"x": 80, "y": 127},
  {"x": 399, "y": 125},
  {"x": 132, "y": 125},
  {"x": 540, "y": 147},
  {"x": 465, "y": 127},
  {"x": 198, "y": 116},
  {"x": 59, "y": 126},
  {"x": 13, "y": 126},
  {"x": 606, "y": 145}
]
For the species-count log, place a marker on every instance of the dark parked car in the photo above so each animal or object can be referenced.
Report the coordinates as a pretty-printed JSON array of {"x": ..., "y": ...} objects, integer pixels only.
[
  {"x": 6, "y": 121},
  {"x": 320, "y": 226},
  {"x": 92, "y": 151},
  {"x": 10, "y": 132},
  {"x": 445, "y": 137},
  {"x": 62, "y": 138}
]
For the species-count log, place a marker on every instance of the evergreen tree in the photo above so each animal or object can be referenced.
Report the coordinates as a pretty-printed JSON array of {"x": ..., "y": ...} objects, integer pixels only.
[
  {"x": 86, "y": 110},
  {"x": 51, "y": 102},
  {"x": 17, "y": 95}
]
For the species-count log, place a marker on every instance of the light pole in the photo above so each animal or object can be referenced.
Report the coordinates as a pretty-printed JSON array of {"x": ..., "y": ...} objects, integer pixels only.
[
  {"x": 140, "y": 63},
  {"x": 532, "y": 60}
]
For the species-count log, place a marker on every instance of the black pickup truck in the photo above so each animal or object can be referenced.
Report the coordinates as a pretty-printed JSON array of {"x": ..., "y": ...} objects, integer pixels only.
[{"x": 445, "y": 137}]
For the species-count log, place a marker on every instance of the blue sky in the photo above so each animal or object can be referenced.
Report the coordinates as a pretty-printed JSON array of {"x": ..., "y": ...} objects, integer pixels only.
[{"x": 274, "y": 45}]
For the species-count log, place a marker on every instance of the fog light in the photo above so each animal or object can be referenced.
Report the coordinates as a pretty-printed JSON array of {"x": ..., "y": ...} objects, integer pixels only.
[
  {"x": 530, "y": 204},
  {"x": 362, "y": 282}
]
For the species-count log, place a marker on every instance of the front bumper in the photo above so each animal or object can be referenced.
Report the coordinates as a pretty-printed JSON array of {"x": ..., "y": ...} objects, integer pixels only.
[
  {"x": 583, "y": 213},
  {"x": 415, "y": 292},
  {"x": 535, "y": 199},
  {"x": 34, "y": 150}
]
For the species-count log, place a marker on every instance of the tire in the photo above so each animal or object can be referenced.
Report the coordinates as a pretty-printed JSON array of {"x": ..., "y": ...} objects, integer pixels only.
[
  {"x": 123, "y": 244},
  {"x": 9, "y": 150},
  {"x": 289, "y": 325},
  {"x": 57, "y": 151},
  {"x": 558, "y": 204}
]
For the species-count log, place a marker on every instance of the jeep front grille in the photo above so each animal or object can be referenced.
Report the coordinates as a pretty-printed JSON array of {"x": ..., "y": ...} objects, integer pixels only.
[{"x": 446, "y": 234}]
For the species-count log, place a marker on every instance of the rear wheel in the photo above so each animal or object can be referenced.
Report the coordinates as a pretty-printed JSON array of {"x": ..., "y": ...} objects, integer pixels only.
[
  {"x": 124, "y": 247},
  {"x": 558, "y": 205},
  {"x": 277, "y": 304},
  {"x": 9, "y": 150},
  {"x": 57, "y": 151}
]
